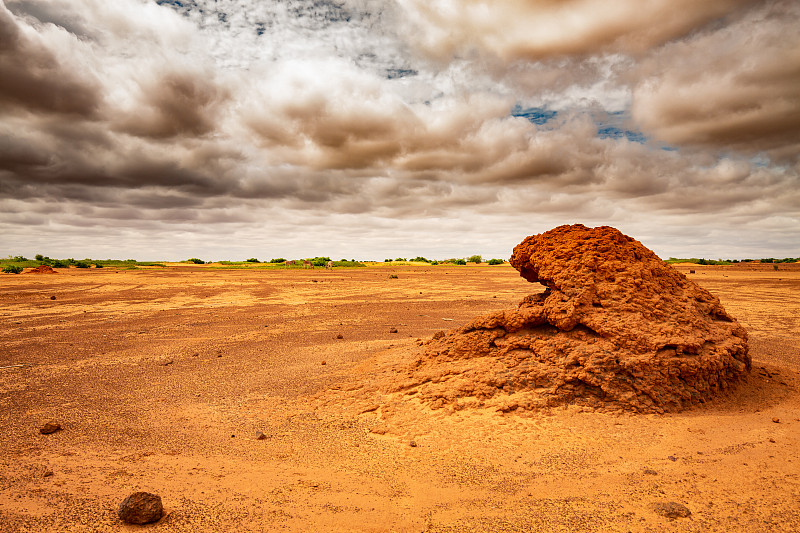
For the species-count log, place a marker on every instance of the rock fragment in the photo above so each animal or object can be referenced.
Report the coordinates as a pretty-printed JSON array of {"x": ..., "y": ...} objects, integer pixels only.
[
  {"x": 672, "y": 510},
  {"x": 616, "y": 328},
  {"x": 49, "y": 427},
  {"x": 141, "y": 508}
]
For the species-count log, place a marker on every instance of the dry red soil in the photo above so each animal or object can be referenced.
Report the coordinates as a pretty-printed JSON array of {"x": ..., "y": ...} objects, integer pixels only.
[{"x": 162, "y": 378}]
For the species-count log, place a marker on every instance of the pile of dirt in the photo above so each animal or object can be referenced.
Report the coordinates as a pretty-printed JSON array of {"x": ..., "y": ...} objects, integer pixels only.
[
  {"x": 42, "y": 269},
  {"x": 615, "y": 329}
]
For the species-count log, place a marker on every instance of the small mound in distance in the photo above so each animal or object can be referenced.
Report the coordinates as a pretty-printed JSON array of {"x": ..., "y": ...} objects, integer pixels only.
[
  {"x": 42, "y": 269},
  {"x": 616, "y": 329}
]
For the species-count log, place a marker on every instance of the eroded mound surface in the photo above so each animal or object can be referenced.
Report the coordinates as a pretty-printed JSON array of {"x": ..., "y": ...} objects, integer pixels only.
[
  {"x": 615, "y": 329},
  {"x": 42, "y": 269}
]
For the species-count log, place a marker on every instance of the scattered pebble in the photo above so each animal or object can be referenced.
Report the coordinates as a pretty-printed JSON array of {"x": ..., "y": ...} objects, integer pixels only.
[
  {"x": 650, "y": 472},
  {"x": 261, "y": 436},
  {"x": 340, "y": 336},
  {"x": 672, "y": 458},
  {"x": 52, "y": 297},
  {"x": 393, "y": 330},
  {"x": 776, "y": 420},
  {"x": 49, "y": 427},
  {"x": 323, "y": 363},
  {"x": 413, "y": 444},
  {"x": 141, "y": 508},
  {"x": 771, "y": 439}
]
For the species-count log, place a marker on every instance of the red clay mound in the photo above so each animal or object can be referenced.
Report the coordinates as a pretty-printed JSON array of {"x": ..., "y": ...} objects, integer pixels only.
[
  {"x": 42, "y": 269},
  {"x": 616, "y": 329}
]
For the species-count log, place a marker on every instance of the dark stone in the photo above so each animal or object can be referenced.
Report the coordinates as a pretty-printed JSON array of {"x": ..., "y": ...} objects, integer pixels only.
[
  {"x": 141, "y": 508},
  {"x": 438, "y": 335},
  {"x": 340, "y": 336},
  {"x": 672, "y": 510},
  {"x": 52, "y": 297},
  {"x": 50, "y": 427},
  {"x": 393, "y": 330},
  {"x": 261, "y": 436}
]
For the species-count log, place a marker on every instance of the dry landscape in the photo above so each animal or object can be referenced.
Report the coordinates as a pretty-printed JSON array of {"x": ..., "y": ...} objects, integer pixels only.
[{"x": 163, "y": 380}]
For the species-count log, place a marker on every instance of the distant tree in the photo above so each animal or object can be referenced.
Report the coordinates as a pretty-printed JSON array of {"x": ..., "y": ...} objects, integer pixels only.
[
  {"x": 420, "y": 259},
  {"x": 82, "y": 264},
  {"x": 253, "y": 260},
  {"x": 461, "y": 262},
  {"x": 98, "y": 265},
  {"x": 19, "y": 258},
  {"x": 12, "y": 269},
  {"x": 39, "y": 257},
  {"x": 496, "y": 261},
  {"x": 196, "y": 261},
  {"x": 59, "y": 264},
  {"x": 400, "y": 259},
  {"x": 475, "y": 259},
  {"x": 277, "y": 260}
]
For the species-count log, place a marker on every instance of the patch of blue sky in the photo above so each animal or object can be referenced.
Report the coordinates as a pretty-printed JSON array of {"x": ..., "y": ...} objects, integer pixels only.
[
  {"x": 614, "y": 132},
  {"x": 536, "y": 115}
]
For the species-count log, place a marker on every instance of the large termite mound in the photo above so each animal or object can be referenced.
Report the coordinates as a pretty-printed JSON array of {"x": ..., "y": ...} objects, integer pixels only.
[{"x": 615, "y": 329}]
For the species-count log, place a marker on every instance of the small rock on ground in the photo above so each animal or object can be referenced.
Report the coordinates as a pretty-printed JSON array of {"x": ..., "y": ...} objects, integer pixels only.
[
  {"x": 672, "y": 510},
  {"x": 141, "y": 508},
  {"x": 49, "y": 427}
]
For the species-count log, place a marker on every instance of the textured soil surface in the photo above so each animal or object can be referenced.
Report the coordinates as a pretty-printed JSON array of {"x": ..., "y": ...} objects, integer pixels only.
[{"x": 162, "y": 380}]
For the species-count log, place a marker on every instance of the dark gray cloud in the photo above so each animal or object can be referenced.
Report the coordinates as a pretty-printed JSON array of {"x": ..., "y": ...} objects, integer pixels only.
[{"x": 33, "y": 78}]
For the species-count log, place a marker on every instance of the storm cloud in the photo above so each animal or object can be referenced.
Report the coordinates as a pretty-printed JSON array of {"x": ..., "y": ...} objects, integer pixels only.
[{"x": 363, "y": 127}]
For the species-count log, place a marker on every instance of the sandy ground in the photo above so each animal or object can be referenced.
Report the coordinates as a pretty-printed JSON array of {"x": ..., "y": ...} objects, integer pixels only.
[{"x": 161, "y": 379}]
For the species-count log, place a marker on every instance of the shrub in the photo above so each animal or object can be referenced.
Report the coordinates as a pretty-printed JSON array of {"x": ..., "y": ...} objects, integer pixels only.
[
  {"x": 59, "y": 264},
  {"x": 12, "y": 269},
  {"x": 98, "y": 265},
  {"x": 39, "y": 257},
  {"x": 19, "y": 258},
  {"x": 387, "y": 260},
  {"x": 81, "y": 264},
  {"x": 400, "y": 259},
  {"x": 420, "y": 259},
  {"x": 434, "y": 262},
  {"x": 196, "y": 261},
  {"x": 252, "y": 260},
  {"x": 496, "y": 261},
  {"x": 461, "y": 262},
  {"x": 475, "y": 259},
  {"x": 277, "y": 260}
]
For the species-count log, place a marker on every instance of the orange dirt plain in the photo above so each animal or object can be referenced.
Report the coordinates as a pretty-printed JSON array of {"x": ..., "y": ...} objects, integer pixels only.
[{"x": 162, "y": 379}]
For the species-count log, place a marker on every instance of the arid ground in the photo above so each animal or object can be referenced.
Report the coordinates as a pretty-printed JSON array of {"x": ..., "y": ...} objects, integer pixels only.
[{"x": 163, "y": 378}]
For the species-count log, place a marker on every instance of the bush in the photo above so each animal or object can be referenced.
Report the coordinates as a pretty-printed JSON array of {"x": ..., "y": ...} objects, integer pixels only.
[
  {"x": 98, "y": 265},
  {"x": 39, "y": 257},
  {"x": 81, "y": 264},
  {"x": 420, "y": 259},
  {"x": 496, "y": 261},
  {"x": 252, "y": 260},
  {"x": 277, "y": 260},
  {"x": 434, "y": 262},
  {"x": 196, "y": 261},
  {"x": 475, "y": 259},
  {"x": 12, "y": 269},
  {"x": 461, "y": 262},
  {"x": 59, "y": 264},
  {"x": 320, "y": 261}
]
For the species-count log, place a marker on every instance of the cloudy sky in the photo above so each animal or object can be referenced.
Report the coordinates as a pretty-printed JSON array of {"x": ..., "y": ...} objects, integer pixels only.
[{"x": 228, "y": 129}]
